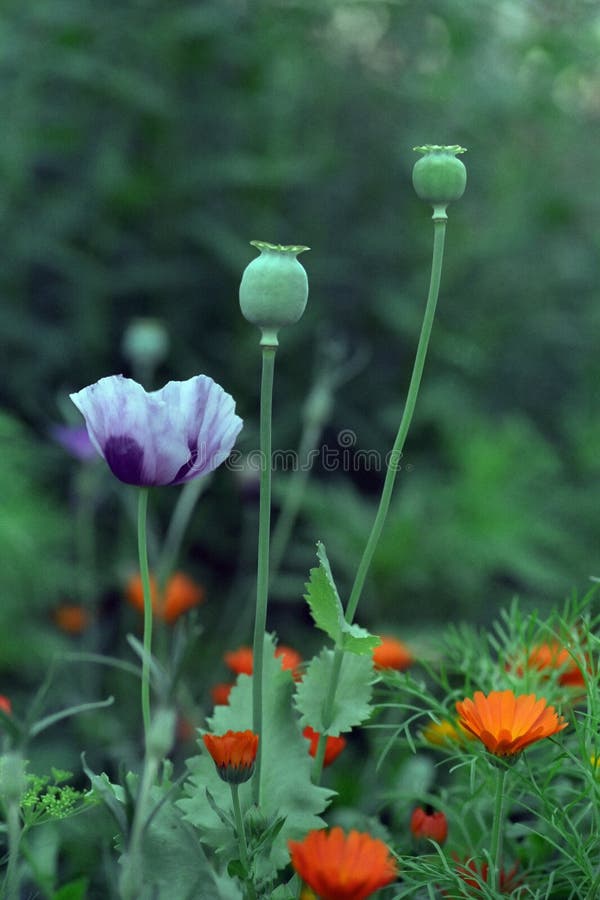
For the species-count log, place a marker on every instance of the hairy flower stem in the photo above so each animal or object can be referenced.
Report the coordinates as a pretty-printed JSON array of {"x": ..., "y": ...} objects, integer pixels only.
[
  {"x": 497, "y": 828},
  {"x": 439, "y": 234},
  {"x": 13, "y": 824},
  {"x": 262, "y": 578},
  {"x": 241, "y": 836},
  {"x": 132, "y": 875},
  {"x": 145, "y": 575}
]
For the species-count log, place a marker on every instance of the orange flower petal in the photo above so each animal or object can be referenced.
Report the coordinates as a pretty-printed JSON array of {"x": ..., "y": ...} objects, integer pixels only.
[
  {"x": 506, "y": 724},
  {"x": 343, "y": 867}
]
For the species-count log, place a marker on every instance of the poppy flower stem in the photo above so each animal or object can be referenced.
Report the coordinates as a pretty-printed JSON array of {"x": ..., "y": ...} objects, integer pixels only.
[
  {"x": 241, "y": 835},
  {"x": 264, "y": 527},
  {"x": 498, "y": 827},
  {"x": 439, "y": 234},
  {"x": 145, "y": 576}
]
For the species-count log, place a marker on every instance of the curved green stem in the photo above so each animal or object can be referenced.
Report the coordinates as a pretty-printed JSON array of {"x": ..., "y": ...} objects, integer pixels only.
[
  {"x": 439, "y": 234},
  {"x": 262, "y": 578},
  {"x": 145, "y": 576},
  {"x": 498, "y": 828}
]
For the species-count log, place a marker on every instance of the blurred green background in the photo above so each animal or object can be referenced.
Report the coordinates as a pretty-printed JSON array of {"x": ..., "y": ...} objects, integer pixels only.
[{"x": 144, "y": 144}]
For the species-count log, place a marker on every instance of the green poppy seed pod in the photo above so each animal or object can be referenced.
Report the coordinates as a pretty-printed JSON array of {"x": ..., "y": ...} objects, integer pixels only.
[
  {"x": 439, "y": 177},
  {"x": 274, "y": 289}
]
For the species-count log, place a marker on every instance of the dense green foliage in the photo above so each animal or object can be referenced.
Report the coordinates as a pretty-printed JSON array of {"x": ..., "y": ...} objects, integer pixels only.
[{"x": 145, "y": 144}]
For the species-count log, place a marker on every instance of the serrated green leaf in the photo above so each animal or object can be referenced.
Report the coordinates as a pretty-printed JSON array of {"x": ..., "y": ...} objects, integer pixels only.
[
  {"x": 287, "y": 790},
  {"x": 352, "y": 699},
  {"x": 173, "y": 861},
  {"x": 323, "y": 598},
  {"x": 358, "y": 640}
]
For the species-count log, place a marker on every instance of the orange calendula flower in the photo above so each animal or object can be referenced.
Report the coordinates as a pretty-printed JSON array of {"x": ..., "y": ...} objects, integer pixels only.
[
  {"x": 554, "y": 656},
  {"x": 333, "y": 747},
  {"x": 5, "y": 705},
  {"x": 234, "y": 754},
  {"x": 506, "y": 724},
  {"x": 72, "y": 618},
  {"x": 337, "y": 866},
  {"x": 180, "y": 595},
  {"x": 392, "y": 654},
  {"x": 241, "y": 661}
]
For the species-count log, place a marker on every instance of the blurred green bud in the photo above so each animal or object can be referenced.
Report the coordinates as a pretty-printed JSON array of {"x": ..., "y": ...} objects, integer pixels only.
[
  {"x": 317, "y": 407},
  {"x": 256, "y": 822},
  {"x": 439, "y": 177},
  {"x": 161, "y": 734},
  {"x": 274, "y": 289},
  {"x": 145, "y": 342}
]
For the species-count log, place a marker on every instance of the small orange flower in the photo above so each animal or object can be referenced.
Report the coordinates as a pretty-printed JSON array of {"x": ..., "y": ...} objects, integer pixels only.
[
  {"x": 429, "y": 823},
  {"x": 554, "y": 656},
  {"x": 72, "y": 618},
  {"x": 333, "y": 746},
  {"x": 241, "y": 661},
  {"x": 392, "y": 654},
  {"x": 5, "y": 705},
  {"x": 507, "y": 724},
  {"x": 290, "y": 660},
  {"x": 181, "y": 594},
  {"x": 343, "y": 867},
  {"x": 233, "y": 753},
  {"x": 220, "y": 694}
]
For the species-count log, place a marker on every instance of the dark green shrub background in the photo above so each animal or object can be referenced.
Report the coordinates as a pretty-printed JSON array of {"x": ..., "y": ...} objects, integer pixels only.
[{"x": 143, "y": 144}]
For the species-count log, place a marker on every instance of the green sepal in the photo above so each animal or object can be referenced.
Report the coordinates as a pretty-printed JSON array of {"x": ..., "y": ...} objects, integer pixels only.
[
  {"x": 352, "y": 699},
  {"x": 327, "y": 611}
]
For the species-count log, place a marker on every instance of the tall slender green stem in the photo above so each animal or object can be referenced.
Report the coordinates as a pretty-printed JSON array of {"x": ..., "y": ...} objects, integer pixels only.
[
  {"x": 186, "y": 502},
  {"x": 439, "y": 234},
  {"x": 498, "y": 828},
  {"x": 262, "y": 579},
  {"x": 145, "y": 575},
  {"x": 293, "y": 499},
  {"x": 241, "y": 835}
]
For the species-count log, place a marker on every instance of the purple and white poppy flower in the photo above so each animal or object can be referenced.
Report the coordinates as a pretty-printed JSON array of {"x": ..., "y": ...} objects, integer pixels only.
[{"x": 170, "y": 436}]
